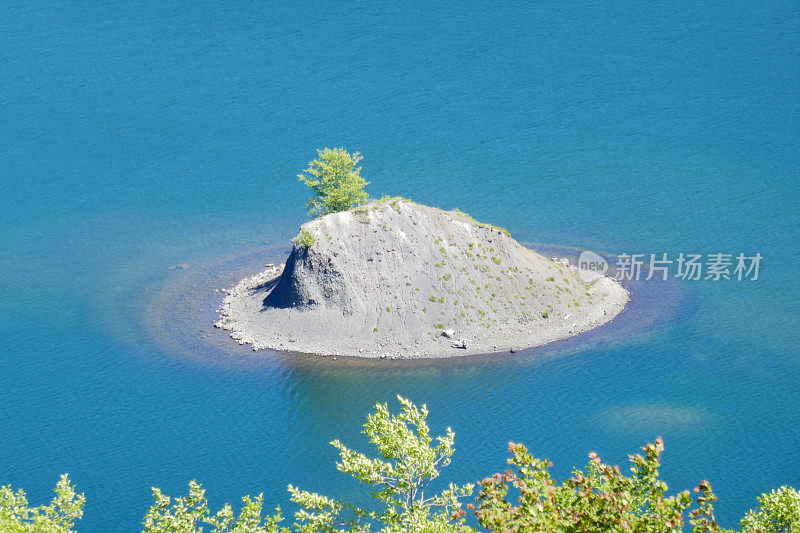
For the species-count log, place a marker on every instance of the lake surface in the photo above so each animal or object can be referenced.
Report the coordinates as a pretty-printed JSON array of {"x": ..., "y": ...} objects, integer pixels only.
[{"x": 139, "y": 137}]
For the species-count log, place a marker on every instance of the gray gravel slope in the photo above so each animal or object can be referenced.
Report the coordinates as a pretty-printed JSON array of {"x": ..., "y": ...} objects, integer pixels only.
[{"x": 389, "y": 278}]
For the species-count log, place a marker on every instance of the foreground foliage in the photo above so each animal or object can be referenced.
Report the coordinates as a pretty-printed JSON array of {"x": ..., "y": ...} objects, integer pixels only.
[
  {"x": 778, "y": 511},
  {"x": 58, "y": 516},
  {"x": 409, "y": 461},
  {"x": 335, "y": 181},
  {"x": 190, "y": 513},
  {"x": 599, "y": 498}
]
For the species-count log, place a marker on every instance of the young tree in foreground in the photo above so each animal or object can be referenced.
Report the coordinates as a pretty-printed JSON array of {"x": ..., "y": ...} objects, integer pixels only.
[
  {"x": 57, "y": 517},
  {"x": 335, "y": 181},
  {"x": 600, "y": 499},
  {"x": 409, "y": 461},
  {"x": 778, "y": 512},
  {"x": 189, "y": 514}
]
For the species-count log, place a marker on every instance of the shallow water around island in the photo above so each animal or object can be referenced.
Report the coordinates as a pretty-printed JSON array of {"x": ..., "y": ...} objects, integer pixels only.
[{"x": 146, "y": 137}]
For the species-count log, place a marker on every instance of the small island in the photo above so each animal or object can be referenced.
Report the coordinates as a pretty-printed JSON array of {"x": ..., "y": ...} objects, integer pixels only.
[{"x": 397, "y": 279}]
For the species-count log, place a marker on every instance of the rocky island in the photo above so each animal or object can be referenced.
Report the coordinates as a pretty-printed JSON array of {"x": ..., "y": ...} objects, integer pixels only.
[{"x": 393, "y": 278}]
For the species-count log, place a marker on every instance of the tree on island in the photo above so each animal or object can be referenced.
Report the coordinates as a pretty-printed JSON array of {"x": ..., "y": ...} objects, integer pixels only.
[{"x": 335, "y": 181}]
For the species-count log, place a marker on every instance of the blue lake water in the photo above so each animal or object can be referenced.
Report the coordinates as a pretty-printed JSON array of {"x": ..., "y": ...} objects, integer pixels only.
[{"x": 137, "y": 137}]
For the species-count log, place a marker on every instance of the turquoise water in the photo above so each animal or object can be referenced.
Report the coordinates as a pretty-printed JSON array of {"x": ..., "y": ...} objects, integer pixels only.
[{"x": 137, "y": 137}]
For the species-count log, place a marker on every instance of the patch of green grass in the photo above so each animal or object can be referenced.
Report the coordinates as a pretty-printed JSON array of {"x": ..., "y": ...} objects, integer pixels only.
[
  {"x": 305, "y": 238},
  {"x": 504, "y": 231}
]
